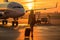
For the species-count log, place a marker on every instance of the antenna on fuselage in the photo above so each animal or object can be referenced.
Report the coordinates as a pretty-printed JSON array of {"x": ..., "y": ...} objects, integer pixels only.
[{"x": 5, "y": 0}]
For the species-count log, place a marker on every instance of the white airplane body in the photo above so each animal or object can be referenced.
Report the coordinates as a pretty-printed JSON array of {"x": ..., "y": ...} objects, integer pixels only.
[{"x": 11, "y": 10}]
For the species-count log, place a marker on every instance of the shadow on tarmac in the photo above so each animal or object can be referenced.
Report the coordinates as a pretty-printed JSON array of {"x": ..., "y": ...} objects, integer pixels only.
[{"x": 8, "y": 33}]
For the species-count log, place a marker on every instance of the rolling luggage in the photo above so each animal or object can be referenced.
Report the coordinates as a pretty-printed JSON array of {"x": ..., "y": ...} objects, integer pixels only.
[{"x": 27, "y": 32}]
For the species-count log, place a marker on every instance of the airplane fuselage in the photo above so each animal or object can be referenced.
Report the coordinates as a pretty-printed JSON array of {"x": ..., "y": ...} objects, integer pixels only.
[{"x": 11, "y": 10}]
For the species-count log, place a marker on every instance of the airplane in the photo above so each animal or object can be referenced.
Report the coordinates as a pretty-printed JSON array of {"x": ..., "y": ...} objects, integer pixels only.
[{"x": 13, "y": 10}]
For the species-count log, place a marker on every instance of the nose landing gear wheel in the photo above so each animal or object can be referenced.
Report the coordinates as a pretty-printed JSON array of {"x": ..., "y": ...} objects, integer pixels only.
[{"x": 14, "y": 23}]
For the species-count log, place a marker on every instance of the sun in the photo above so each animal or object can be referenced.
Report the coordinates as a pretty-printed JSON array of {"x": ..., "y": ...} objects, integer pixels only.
[{"x": 30, "y": 5}]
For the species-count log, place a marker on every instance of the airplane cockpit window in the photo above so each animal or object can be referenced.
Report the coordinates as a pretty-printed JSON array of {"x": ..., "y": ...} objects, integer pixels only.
[{"x": 17, "y": 7}]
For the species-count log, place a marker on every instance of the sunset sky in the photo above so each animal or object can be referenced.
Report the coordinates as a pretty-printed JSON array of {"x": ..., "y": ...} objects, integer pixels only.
[{"x": 34, "y": 4}]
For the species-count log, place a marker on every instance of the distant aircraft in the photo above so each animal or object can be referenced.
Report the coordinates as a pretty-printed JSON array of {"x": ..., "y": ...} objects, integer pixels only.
[{"x": 11, "y": 10}]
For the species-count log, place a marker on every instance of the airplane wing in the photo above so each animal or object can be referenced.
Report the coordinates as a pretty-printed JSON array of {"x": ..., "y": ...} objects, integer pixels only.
[
  {"x": 41, "y": 9},
  {"x": 44, "y": 8}
]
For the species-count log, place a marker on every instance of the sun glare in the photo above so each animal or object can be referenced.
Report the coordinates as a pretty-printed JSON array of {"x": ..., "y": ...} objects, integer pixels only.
[
  {"x": 29, "y": 0},
  {"x": 30, "y": 5}
]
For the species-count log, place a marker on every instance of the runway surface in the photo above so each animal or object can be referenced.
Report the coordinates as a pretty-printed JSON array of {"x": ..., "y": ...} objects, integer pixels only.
[{"x": 39, "y": 33}]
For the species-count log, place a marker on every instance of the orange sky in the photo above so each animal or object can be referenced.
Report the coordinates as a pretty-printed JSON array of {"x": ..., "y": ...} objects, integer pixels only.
[{"x": 39, "y": 4}]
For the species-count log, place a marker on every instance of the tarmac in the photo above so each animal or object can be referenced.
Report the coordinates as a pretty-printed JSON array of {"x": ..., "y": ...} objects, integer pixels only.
[{"x": 39, "y": 32}]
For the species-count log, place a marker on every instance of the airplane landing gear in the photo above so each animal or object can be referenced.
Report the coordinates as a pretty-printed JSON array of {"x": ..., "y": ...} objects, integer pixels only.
[
  {"x": 15, "y": 22},
  {"x": 4, "y": 22}
]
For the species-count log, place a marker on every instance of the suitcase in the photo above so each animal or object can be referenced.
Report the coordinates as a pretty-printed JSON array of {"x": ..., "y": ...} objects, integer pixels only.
[{"x": 27, "y": 32}]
